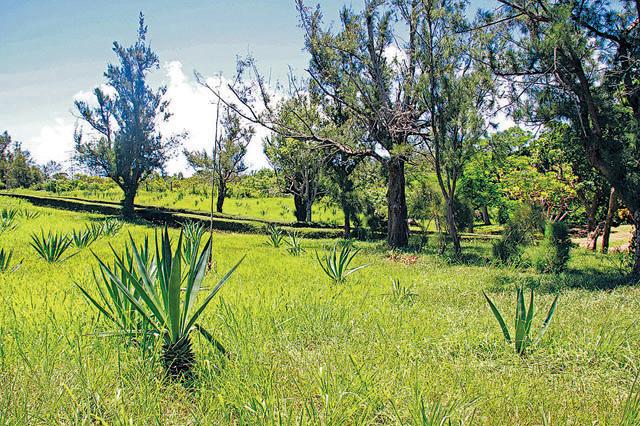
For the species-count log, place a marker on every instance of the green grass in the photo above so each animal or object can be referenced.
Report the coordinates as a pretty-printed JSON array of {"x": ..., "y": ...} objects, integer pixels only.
[
  {"x": 276, "y": 209},
  {"x": 300, "y": 349}
]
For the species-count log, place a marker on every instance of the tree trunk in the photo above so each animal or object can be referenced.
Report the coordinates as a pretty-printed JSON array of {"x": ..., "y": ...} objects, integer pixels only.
[
  {"x": 127, "y": 202},
  {"x": 607, "y": 224},
  {"x": 222, "y": 193},
  {"x": 485, "y": 215},
  {"x": 635, "y": 244},
  {"x": 299, "y": 204},
  {"x": 397, "y": 227},
  {"x": 308, "y": 203},
  {"x": 347, "y": 220},
  {"x": 591, "y": 211},
  {"x": 453, "y": 229}
]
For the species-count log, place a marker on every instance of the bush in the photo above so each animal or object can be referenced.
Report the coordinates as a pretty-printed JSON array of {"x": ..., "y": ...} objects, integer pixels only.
[
  {"x": 552, "y": 255},
  {"x": 519, "y": 231}
]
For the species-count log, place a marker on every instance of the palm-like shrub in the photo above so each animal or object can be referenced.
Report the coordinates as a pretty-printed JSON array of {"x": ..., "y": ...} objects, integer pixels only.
[
  {"x": 523, "y": 322},
  {"x": 402, "y": 294},
  {"x": 275, "y": 236},
  {"x": 5, "y": 260},
  {"x": 295, "y": 247},
  {"x": 336, "y": 261},
  {"x": 52, "y": 246},
  {"x": 163, "y": 293}
]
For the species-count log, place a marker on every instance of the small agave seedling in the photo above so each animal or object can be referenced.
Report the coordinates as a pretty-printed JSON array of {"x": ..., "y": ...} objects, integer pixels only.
[
  {"x": 85, "y": 237},
  {"x": 111, "y": 227},
  {"x": 523, "y": 322},
  {"x": 275, "y": 236},
  {"x": 52, "y": 246},
  {"x": 30, "y": 214},
  {"x": 402, "y": 294},
  {"x": 164, "y": 296},
  {"x": 8, "y": 220},
  {"x": 335, "y": 263},
  {"x": 5, "y": 261},
  {"x": 295, "y": 247}
]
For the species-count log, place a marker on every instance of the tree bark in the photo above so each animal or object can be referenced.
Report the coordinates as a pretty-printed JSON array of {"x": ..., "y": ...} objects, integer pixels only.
[
  {"x": 592, "y": 210},
  {"x": 222, "y": 193},
  {"x": 397, "y": 227},
  {"x": 635, "y": 244},
  {"x": 485, "y": 215},
  {"x": 299, "y": 204},
  {"x": 607, "y": 224},
  {"x": 347, "y": 220},
  {"x": 308, "y": 203},
  {"x": 451, "y": 224},
  {"x": 128, "y": 202}
]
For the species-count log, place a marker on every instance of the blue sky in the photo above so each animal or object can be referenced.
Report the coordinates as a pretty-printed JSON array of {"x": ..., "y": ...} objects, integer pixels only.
[{"x": 53, "y": 51}]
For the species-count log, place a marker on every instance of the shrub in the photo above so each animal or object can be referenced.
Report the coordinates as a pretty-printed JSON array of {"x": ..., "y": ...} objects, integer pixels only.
[
  {"x": 523, "y": 322},
  {"x": 52, "y": 246},
  {"x": 163, "y": 292},
  {"x": 193, "y": 232},
  {"x": 111, "y": 227},
  {"x": 552, "y": 255},
  {"x": 85, "y": 237},
  {"x": 519, "y": 231},
  {"x": 8, "y": 220},
  {"x": 5, "y": 261}
]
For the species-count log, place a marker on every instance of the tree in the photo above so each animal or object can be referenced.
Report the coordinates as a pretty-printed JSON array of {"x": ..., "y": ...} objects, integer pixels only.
[
  {"x": 227, "y": 160},
  {"x": 300, "y": 167},
  {"x": 578, "y": 61},
  {"x": 17, "y": 168},
  {"x": 456, "y": 93},
  {"x": 51, "y": 168},
  {"x": 367, "y": 68},
  {"x": 124, "y": 143}
]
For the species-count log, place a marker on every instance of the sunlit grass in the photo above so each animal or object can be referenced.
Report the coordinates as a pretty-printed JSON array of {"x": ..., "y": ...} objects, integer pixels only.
[{"x": 300, "y": 349}]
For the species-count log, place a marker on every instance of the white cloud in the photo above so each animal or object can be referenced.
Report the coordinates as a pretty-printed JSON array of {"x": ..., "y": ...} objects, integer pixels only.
[
  {"x": 53, "y": 143},
  {"x": 193, "y": 108}
]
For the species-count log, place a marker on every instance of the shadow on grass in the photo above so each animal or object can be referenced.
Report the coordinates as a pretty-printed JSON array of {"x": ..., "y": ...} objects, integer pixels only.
[{"x": 589, "y": 279}]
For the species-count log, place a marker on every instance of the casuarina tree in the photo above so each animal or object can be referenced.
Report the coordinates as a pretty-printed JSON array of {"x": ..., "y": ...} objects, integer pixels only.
[{"x": 121, "y": 139}]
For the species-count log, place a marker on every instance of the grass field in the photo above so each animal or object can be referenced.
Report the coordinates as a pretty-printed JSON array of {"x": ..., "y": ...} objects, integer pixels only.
[
  {"x": 277, "y": 209},
  {"x": 304, "y": 351}
]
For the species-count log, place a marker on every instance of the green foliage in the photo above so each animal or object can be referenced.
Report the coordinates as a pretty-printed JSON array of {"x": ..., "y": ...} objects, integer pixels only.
[
  {"x": 5, "y": 260},
  {"x": 335, "y": 262},
  {"x": 193, "y": 232},
  {"x": 523, "y": 322},
  {"x": 552, "y": 255},
  {"x": 275, "y": 235},
  {"x": 163, "y": 292},
  {"x": 30, "y": 214},
  {"x": 52, "y": 246},
  {"x": 83, "y": 238},
  {"x": 295, "y": 247},
  {"x": 402, "y": 294},
  {"x": 8, "y": 220},
  {"x": 111, "y": 227},
  {"x": 521, "y": 229}
]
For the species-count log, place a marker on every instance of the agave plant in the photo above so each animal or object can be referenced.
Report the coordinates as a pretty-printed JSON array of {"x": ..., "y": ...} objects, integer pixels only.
[
  {"x": 5, "y": 261},
  {"x": 275, "y": 236},
  {"x": 111, "y": 227},
  {"x": 295, "y": 248},
  {"x": 523, "y": 322},
  {"x": 335, "y": 262},
  {"x": 8, "y": 220},
  {"x": 193, "y": 232},
  {"x": 85, "y": 237},
  {"x": 52, "y": 246},
  {"x": 163, "y": 292},
  {"x": 112, "y": 303},
  {"x": 30, "y": 214},
  {"x": 402, "y": 294}
]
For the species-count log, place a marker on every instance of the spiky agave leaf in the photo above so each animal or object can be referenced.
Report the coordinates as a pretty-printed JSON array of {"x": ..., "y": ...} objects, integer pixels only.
[
  {"x": 165, "y": 294},
  {"x": 336, "y": 263},
  {"x": 52, "y": 246}
]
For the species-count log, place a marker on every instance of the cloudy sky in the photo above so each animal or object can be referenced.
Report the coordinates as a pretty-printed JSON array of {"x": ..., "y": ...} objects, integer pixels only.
[{"x": 56, "y": 51}]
